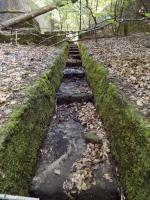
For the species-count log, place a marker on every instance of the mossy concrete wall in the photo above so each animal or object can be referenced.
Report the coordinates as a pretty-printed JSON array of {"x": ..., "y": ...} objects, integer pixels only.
[
  {"x": 27, "y": 38},
  {"x": 129, "y": 133},
  {"x": 22, "y": 136}
]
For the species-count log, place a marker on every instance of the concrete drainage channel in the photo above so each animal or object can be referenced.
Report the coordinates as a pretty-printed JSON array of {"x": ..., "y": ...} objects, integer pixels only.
[{"x": 73, "y": 164}]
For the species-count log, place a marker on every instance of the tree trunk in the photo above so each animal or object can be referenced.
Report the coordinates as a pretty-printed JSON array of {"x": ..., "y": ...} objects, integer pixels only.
[
  {"x": 96, "y": 5},
  {"x": 126, "y": 29},
  {"x": 80, "y": 26},
  {"x": 28, "y": 16}
]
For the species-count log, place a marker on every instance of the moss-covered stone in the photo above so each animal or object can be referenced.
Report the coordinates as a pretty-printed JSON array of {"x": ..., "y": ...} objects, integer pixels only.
[
  {"x": 91, "y": 137},
  {"x": 129, "y": 132},
  {"x": 28, "y": 37},
  {"x": 4, "y": 38},
  {"x": 21, "y": 137}
]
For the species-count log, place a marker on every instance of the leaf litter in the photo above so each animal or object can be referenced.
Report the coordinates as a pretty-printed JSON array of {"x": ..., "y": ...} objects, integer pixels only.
[
  {"x": 19, "y": 66},
  {"x": 82, "y": 173},
  {"x": 128, "y": 63}
]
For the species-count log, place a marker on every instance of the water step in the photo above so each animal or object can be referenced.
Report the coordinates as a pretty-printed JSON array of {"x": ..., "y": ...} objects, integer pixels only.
[
  {"x": 74, "y": 72},
  {"x": 71, "y": 98},
  {"x": 73, "y": 49},
  {"x": 75, "y": 56},
  {"x": 74, "y": 52},
  {"x": 73, "y": 63},
  {"x": 74, "y": 45},
  {"x": 74, "y": 90}
]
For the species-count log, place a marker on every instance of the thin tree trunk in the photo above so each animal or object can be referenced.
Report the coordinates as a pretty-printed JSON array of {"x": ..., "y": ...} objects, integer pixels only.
[
  {"x": 111, "y": 3},
  {"x": 144, "y": 5},
  {"x": 80, "y": 27},
  {"x": 96, "y": 5},
  {"x": 121, "y": 13},
  {"x": 89, "y": 21}
]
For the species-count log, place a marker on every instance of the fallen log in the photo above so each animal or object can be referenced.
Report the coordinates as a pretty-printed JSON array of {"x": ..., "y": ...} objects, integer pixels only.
[
  {"x": 27, "y": 16},
  {"x": 30, "y": 15}
]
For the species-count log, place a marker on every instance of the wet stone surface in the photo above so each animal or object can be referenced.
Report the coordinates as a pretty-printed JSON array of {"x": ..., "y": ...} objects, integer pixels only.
[
  {"x": 74, "y": 90},
  {"x": 76, "y": 86},
  {"x": 64, "y": 143},
  {"x": 74, "y": 52},
  {"x": 69, "y": 167},
  {"x": 74, "y": 72},
  {"x": 73, "y": 63}
]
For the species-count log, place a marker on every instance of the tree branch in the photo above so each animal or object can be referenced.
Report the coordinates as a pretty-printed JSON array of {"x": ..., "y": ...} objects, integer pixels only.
[{"x": 90, "y": 9}]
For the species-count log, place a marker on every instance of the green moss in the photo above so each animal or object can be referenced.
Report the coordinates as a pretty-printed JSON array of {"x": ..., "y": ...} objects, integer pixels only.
[
  {"x": 36, "y": 38},
  {"x": 4, "y": 38},
  {"x": 21, "y": 137},
  {"x": 129, "y": 133}
]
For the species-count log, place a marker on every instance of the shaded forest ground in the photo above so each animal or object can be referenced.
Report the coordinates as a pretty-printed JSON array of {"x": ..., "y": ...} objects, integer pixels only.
[
  {"x": 128, "y": 62},
  {"x": 20, "y": 66}
]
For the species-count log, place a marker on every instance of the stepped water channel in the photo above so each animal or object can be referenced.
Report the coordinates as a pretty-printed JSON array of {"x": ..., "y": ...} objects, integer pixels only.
[{"x": 70, "y": 166}]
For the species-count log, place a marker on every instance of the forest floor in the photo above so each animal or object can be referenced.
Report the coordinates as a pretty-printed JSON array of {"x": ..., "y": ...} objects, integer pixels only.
[
  {"x": 128, "y": 62},
  {"x": 20, "y": 66}
]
